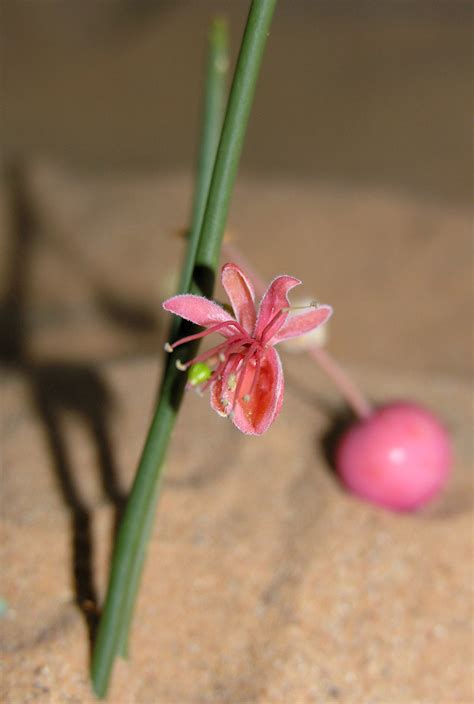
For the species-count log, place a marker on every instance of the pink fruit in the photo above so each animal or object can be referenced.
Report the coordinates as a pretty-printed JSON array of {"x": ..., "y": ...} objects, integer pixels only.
[{"x": 400, "y": 457}]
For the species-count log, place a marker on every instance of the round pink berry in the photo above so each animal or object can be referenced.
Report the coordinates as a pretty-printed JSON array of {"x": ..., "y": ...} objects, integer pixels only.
[{"x": 400, "y": 457}]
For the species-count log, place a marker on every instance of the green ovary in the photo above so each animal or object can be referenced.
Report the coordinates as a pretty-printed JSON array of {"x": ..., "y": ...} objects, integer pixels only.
[{"x": 199, "y": 373}]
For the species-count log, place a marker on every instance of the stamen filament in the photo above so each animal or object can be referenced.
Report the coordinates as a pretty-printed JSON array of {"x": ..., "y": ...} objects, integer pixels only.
[
  {"x": 243, "y": 367},
  {"x": 204, "y": 355},
  {"x": 311, "y": 304},
  {"x": 255, "y": 376},
  {"x": 199, "y": 335},
  {"x": 228, "y": 368},
  {"x": 272, "y": 327}
]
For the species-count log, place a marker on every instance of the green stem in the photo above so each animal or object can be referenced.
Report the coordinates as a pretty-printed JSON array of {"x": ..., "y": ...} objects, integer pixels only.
[
  {"x": 213, "y": 109},
  {"x": 233, "y": 133},
  {"x": 136, "y": 521},
  {"x": 211, "y": 124}
]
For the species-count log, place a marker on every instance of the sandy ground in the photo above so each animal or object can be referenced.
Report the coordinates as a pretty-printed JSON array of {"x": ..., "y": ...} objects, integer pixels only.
[{"x": 265, "y": 581}]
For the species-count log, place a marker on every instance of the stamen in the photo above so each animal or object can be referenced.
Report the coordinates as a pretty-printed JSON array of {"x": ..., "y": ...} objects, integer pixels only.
[
  {"x": 255, "y": 376},
  {"x": 228, "y": 367},
  {"x": 311, "y": 304},
  {"x": 208, "y": 354},
  {"x": 274, "y": 325},
  {"x": 232, "y": 382},
  {"x": 242, "y": 369},
  {"x": 209, "y": 331},
  {"x": 222, "y": 371},
  {"x": 217, "y": 350}
]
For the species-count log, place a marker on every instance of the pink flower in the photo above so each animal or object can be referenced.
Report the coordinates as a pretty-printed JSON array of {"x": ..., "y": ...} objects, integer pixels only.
[{"x": 247, "y": 380}]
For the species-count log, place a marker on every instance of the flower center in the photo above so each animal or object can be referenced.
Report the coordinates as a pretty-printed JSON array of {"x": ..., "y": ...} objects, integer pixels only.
[{"x": 230, "y": 359}]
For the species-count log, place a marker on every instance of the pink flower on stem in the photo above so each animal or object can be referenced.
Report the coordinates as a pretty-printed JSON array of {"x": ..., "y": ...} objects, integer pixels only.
[{"x": 247, "y": 378}]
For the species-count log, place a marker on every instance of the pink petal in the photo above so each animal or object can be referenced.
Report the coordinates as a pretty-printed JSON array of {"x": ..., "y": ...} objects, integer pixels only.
[
  {"x": 199, "y": 310},
  {"x": 241, "y": 294},
  {"x": 302, "y": 323},
  {"x": 253, "y": 417},
  {"x": 219, "y": 402},
  {"x": 274, "y": 299},
  {"x": 222, "y": 396}
]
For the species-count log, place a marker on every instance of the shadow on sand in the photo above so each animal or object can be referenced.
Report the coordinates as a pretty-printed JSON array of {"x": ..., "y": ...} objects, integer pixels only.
[{"x": 62, "y": 388}]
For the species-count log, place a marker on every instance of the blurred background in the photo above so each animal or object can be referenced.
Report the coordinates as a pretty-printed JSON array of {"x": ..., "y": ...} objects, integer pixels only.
[{"x": 366, "y": 92}]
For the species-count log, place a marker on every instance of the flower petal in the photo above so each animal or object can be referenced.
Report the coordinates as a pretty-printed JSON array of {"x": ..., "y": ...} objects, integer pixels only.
[
  {"x": 255, "y": 415},
  {"x": 241, "y": 294},
  {"x": 301, "y": 323},
  {"x": 274, "y": 299},
  {"x": 222, "y": 394},
  {"x": 201, "y": 311}
]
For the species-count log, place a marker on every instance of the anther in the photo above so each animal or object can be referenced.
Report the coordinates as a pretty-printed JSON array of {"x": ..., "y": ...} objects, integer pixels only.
[
  {"x": 179, "y": 365},
  {"x": 311, "y": 304},
  {"x": 167, "y": 347}
]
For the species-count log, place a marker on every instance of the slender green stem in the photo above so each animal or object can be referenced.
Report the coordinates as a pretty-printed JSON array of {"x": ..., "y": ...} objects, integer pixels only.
[
  {"x": 136, "y": 522},
  {"x": 134, "y": 579},
  {"x": 211, "y": 124},
  {"x": 213, "y": 108},
  {"x": 233, "y": 133}
]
